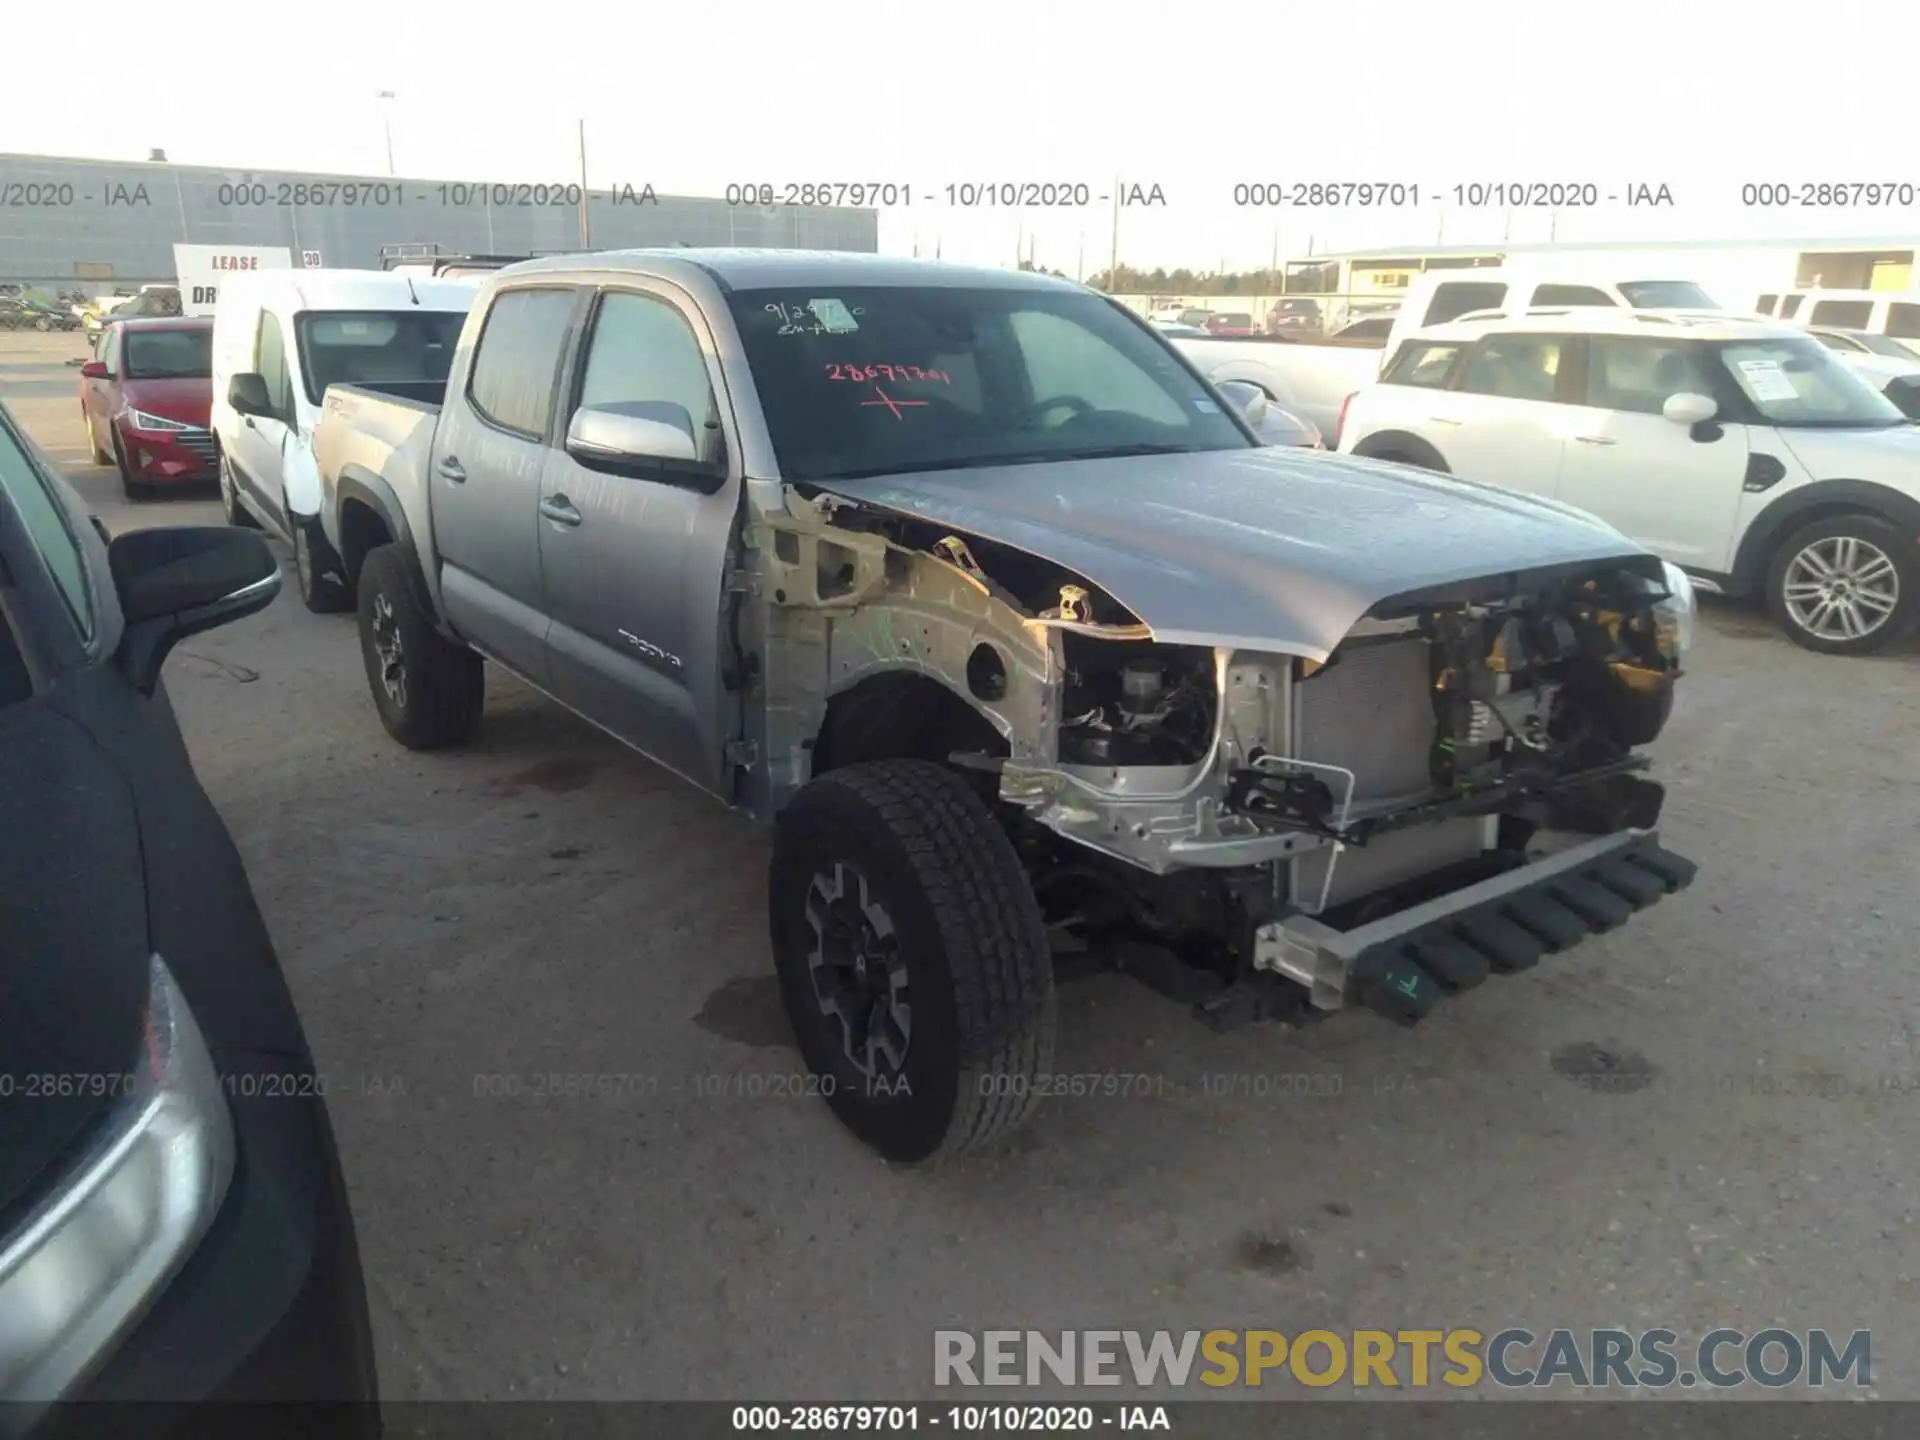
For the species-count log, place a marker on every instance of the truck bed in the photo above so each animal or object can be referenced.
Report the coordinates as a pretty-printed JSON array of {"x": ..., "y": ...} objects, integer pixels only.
[{"x": 380, "y": 438}]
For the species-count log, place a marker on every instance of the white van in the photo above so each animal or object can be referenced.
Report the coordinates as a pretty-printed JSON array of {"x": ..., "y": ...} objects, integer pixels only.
[
  {"x": 280, "y": 337},
  {"x": 1893, "y": 313}
]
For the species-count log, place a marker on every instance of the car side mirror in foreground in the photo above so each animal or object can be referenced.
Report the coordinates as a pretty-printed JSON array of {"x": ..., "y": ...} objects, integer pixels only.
[
  {"x": 247, "y": 394},
  {"x": 1246, "y": 397},
  {"x": 176, "y": 582},
  {"x": 1689, "y": 409},
  {"x": 651, "y": 440}
]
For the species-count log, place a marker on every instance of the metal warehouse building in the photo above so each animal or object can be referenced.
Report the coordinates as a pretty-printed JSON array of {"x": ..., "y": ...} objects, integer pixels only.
[{"x": 98, "y": 225}]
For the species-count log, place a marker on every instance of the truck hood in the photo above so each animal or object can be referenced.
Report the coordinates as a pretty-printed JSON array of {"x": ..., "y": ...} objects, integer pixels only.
[{"x": 1255, "y": 549}]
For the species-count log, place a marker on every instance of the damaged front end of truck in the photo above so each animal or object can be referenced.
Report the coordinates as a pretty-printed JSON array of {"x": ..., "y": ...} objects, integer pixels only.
[{"x": 1375, "y": 798}]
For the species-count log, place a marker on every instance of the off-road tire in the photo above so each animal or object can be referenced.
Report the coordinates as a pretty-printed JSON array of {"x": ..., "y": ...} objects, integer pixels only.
[
  {"x": 1890, "y": 541},
  {"x": 971, "y": 938},
  {"x": 443, "y": 685},
  {"x": 317, "y": 569},
  {"x": 133, "y": 489}
]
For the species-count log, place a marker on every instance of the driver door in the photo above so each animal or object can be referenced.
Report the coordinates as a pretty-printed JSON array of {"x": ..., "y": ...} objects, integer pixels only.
[
  {"x": 634, "y": 567},
  {"x": 1673, "y": 488},
  {"x": 259, "y": 454}
]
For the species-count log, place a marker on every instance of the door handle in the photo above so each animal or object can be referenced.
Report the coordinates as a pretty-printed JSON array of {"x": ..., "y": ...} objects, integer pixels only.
[
  {"x": 559, "y": 509},
  {"x": 1442, "y": 420},
  {"x": 1595, "y": 439},
  {"x": 453, "y": 470}
]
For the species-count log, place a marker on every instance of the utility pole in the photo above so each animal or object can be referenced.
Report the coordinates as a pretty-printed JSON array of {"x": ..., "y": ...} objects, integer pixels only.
[
  {"x": 1113, "y": 264},
  {"x": 1019, "y": 245},
  {"x": 586, "y": 233},
  {"x": 386, "y": 120},
  {"x": 1080, "y": 265}
]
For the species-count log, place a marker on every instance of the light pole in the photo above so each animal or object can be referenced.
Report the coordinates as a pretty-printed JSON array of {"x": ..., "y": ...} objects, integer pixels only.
[{"x": 386, "y": 120}]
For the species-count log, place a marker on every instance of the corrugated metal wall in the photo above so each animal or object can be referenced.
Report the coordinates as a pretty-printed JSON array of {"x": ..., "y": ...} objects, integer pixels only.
[{"x": 95, "y": 224}]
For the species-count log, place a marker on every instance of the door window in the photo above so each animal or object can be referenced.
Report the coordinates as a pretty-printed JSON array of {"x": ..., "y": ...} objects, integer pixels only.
[
  {"x": 1570, "y": 295},
  {"x": 1843, "y": 314},
  {"x": 270, "y": 360},
  {"x": 47, "y": 522},
  {"x": 518, "y": 359},
  {"x": 1421, "y": 363},
  {"x": 1641, "y": 375},
  {"x": 643, "y": 359},
  {"x": 1457, "y": 297},
  {"x": 1518, "y": 367}
]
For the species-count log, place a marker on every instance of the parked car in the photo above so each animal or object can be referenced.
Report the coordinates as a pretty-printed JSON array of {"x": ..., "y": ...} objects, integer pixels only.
[
  {"x": 1173, "y": 330},
  {"x": 1295, "y": 316},
  {"x": 146, "y": 398},
  {"x": 280, "y": 337},
  {"x": 1881, "y": 361},
  {"x": 1743, "y": 451},
  {"x": 1070, "y": 648},
  {"x": 1230, "y": 324},
  {"x": 1894, "y": 314},
  {"x": 173, "y": 1224}
]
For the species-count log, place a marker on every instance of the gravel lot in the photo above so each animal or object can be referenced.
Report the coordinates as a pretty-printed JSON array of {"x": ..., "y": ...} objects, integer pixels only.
[{"x": 549, "y": 903}]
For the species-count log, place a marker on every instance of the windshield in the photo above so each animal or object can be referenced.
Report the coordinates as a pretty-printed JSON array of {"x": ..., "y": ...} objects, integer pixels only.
[
  {"x": 168, "y": 354},
  {"x": 376, "y": 347},
  {"x": 1667, "y": 295},
  {"x": 1879, "y": 344},
  {"x": 872, "y": 381},
  {"x": 1800, "y": 383}
]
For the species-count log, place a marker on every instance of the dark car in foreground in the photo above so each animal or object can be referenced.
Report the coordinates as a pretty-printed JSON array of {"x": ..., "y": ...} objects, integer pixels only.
[
  {"x": 147, "y": 399},
  {"x": 173, "y": 1223}
]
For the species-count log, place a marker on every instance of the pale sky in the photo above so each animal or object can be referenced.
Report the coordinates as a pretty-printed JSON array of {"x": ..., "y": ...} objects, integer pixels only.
[{"x": 1194, "y": 98}]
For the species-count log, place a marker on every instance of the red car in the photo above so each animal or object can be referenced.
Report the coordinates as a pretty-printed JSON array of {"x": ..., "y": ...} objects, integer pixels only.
[
  {"x": 1232, "y": 325},
  {"x": 147, "y": 397}
]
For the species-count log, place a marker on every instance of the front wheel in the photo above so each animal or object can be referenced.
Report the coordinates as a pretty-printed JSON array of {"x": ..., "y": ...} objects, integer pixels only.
[
  {"x": 237, "y": 514},
  {"x": 131, "y": 485},
  {"x": 912, "y": 958},
  {"x": 428, "y": 689},
  {"x": 1846, "y": 585},
  {"x": 318, "y": 570}
]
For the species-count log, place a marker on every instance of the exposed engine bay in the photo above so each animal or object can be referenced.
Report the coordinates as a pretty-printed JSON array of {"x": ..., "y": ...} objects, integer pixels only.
[{"x": 1191, "y": 799}]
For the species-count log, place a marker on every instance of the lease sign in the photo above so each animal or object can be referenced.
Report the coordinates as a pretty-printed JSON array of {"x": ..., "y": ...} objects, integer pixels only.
[{"x": 201, "y": 269}]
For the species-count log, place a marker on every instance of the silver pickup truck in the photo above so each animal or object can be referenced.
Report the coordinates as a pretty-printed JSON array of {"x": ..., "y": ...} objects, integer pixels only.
[{"x": 1036, "y": 660}]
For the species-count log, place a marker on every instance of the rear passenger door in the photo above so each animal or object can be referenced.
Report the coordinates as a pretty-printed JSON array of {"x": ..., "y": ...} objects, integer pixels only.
[
  {"x": 1503, "y": 420},
  {"x": 493, "y": 441},
  {"x": 635, "y": 564}
]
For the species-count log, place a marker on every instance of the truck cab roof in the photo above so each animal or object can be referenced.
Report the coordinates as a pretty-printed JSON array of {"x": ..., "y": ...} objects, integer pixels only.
[{"x": 751, "y": 269}]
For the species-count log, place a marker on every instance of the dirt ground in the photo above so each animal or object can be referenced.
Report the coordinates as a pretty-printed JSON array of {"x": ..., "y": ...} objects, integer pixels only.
[{"x": 547, "y": 903}]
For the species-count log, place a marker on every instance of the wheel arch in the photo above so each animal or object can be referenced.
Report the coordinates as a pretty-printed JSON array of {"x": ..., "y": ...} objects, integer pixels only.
[
  {"x": 1382, "y": 444},
  {"x": 369, "y": 515},
  {"x": 1821, "y": 500},
  {"x": 901, "y": 715}
]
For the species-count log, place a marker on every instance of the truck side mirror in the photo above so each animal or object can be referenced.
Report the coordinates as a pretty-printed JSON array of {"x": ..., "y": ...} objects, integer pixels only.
[
  {"x": 1246, "y": 397},
  {"x": 647, "y": 439}
]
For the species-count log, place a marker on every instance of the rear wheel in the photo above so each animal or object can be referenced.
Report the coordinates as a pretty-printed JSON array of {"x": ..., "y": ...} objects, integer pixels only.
[
  {"x": 1846, "y": 585},
  {"x": 318, "y": 569},
  {"x": 428, "y": 689},
  {"x": 100, "y": 457},
  {"x": 912, "y": 958}
]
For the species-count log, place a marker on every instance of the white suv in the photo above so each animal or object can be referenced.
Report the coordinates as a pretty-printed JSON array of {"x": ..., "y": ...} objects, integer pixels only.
[{"x": 1741, "y": 450}]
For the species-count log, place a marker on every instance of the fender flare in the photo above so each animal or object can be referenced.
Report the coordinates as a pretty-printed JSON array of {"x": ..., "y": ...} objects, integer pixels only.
[
  {"x": 357, "y": 485},
  {"x": 1402, "y": 442},
  {"x": 1809, "y": 502}
]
